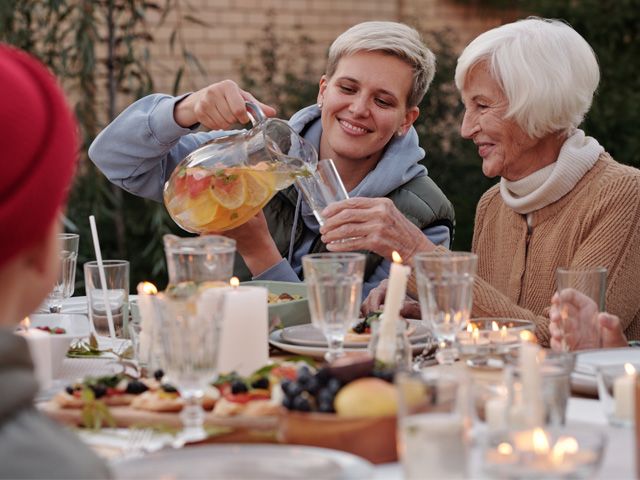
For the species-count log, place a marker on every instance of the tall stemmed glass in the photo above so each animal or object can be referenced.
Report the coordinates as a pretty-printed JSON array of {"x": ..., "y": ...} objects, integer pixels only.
[
  {"x": 334, "y": 283},
  {"x": 445, "y": 288},
  {"x": 65, "y": 284},
  {"x": 189, "y": 334}
]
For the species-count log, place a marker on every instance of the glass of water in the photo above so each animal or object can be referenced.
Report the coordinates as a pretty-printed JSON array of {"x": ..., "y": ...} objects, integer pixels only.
[
  {"x": 322, "y": 187},
  {"x": 65, "y": 284},
  {"x": 334, "y": 283},
  {"x": 431, "y": 426},
  {"x": 445, "y": 288},
  {"x": 189, "y": 334},
  {"x": 113, "y": 295}
]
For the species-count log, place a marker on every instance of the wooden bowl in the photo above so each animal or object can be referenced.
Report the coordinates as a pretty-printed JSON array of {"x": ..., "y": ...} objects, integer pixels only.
[{"x": 367, "y": 437}]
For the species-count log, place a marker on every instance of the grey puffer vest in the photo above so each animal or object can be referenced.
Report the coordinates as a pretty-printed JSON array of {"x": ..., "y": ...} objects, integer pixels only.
[{"x": 420, "y": 200}]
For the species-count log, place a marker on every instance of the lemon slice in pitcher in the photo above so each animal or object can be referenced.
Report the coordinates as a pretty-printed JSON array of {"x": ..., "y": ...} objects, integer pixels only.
[
  {"x": 259, "y": 187},
  {"x": 228, "y": 188},
  {"x": 198, "y": 211}
]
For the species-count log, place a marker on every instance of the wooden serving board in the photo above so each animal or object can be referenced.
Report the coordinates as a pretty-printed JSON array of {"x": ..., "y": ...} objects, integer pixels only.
[{"x": 127, "y": 417}]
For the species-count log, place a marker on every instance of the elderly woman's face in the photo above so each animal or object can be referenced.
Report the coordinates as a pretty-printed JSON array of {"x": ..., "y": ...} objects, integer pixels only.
[
  {"x": 364, "y": 104},
  {"x": 505, "y": 148}
]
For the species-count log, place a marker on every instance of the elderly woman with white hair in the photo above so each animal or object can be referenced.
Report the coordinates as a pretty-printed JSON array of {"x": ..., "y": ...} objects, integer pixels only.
[{"x": 562, "y": 201}]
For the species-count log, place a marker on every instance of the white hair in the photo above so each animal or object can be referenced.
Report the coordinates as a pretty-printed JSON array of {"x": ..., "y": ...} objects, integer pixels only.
[
  {"x": 392, "y": 38},
  {"x": 547, "y": 71}
]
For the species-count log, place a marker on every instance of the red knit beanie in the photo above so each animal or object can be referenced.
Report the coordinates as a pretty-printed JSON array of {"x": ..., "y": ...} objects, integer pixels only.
[{"x": 39, "y": 151}]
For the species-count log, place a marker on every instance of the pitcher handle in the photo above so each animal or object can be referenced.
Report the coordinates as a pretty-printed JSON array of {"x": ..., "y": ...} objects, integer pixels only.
[{"x": 255, "y": 113}]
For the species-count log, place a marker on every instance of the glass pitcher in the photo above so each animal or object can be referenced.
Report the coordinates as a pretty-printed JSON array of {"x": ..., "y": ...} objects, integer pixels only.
[
  {"x": 226, "y": 181},
  {"x": 199, "y": 260}
]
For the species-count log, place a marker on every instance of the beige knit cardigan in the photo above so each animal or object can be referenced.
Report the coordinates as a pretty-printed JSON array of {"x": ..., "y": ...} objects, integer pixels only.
[{"x": 596, "y": 224}]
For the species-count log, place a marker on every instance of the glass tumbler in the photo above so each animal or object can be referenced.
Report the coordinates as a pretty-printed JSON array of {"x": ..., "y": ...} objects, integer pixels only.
[{"x": 65, "y": 284}]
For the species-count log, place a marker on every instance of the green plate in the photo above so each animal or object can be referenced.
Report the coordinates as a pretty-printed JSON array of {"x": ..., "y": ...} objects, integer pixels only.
[{"x": 287, "y": 314}]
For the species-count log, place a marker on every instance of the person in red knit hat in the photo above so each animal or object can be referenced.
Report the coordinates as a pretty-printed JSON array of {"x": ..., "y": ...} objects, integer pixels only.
[{"x": 39, "y": 151}]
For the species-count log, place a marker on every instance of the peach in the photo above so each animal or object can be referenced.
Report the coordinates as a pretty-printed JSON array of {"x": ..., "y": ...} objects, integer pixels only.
[{"x": 367, "y": 397}]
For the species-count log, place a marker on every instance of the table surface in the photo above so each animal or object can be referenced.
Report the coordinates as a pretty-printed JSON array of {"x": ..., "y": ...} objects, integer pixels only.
[{"x": 618, "y": 462}]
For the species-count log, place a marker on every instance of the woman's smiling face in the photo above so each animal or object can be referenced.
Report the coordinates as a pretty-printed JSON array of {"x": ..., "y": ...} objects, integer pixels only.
[{"x": 364, "y": 104}]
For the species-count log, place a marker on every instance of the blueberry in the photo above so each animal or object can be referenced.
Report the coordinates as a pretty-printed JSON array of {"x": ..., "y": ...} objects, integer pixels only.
[
  {"x": 99, "y": 391},
  {"x": 325, "y": 407},
  {"x": 136, "y": 387},
  {"x": 304, "y": 371},
  {"x": 323, "y": 376},
  {"x": 301, "y": 404},
  {"x": 324, "y": 395},
  {"x": 292, "y": 389},
  {"x": 262, "y": 382},
  {"x": 287, "y": 403},
  {"x": 158, "y": 374},
  {"x": 312, "y": 385},
  {"x": 69, "y": 389},
  {"x": 238, "y": 386}
]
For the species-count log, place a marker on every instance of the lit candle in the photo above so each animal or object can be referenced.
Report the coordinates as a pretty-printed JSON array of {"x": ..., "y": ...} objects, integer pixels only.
[
  {"x": 396, "y": 289},
  {"x": 531, "y": 378},
  {"x": 624, "y": 393},
  {"x": 244, "y": 342},
  {"x": 501, "y": 336},
  {"x": 146, "y": 291},
  {"x": 39, "y": 343}
]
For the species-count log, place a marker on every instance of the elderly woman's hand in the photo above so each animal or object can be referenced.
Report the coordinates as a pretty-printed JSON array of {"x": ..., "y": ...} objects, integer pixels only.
[
  {"x": 218, "y": 107},
  {"x": 375, "y": 302},
  {"x": 373, "y": 224},
  {"x": 580, "y": 326}
]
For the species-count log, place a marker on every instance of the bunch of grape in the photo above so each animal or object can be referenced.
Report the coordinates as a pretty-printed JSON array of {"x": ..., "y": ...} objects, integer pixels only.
[{"x": 311, "y": 392}]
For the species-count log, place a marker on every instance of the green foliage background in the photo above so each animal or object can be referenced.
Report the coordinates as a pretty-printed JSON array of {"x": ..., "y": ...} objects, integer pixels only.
[{"x": 68, "y": 34}]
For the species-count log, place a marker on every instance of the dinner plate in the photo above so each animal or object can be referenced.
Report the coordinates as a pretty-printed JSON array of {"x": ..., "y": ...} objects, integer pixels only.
[
  {"x": 246, "y": 462},
  {"x": 79, "y": 304},
  {"x": 276, "y": 340},
  {"x": 583, "y": 378},
  {"x": 310, "y": 336},
  {"x": 76, "y": 325}
]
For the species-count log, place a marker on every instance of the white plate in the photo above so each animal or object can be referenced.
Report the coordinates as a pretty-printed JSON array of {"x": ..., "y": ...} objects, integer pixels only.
[
  {"x": 310, "y": 336},
  {"x": 246, "y": 462},
  {"x": 583, "y": 378},
  {"x": 276, "y": 340},
  {"x": 76, "y": 325},
  {"x": 79, "y": 304}
]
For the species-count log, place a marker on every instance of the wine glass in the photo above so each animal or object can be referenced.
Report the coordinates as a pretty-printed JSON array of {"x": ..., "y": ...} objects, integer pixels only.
[
  {"x": 189, "y": 335},
  {"x": 334, "y": 283},
  {"x": 65, "y": 284},
  {"x": 445, "y": 288}
]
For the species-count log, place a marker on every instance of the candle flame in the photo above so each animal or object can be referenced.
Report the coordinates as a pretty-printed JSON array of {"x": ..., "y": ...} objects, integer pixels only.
[
  {"x": 564, "y": 446},
  {"x": 494, "y": 326},
  {"x": 503, "y": 332},
  {"x": 540, "y": 441},
  {"x": 505, "y": 449},
  {"x": 527, "y": 336},
  {"x": 147, "y": 288},
  {"x": 470, "y": 328},
  {"x": 395, "y": 256},
  {"x": 629, "y": 369},
  {"x": 475, "y": 334},
  {"x": 234, "y": 282}
]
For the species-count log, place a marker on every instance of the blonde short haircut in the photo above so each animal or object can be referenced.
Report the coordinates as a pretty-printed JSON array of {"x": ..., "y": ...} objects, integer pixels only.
[
  {"x": 547, "y": 71},
  {"x": 391, "y": 38}
]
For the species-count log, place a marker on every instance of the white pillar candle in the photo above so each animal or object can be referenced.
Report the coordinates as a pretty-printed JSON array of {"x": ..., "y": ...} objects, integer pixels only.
[
  {"x": 40, "y": 349},
  {"x": 624, "y": 393},
  {"x": 147, "y": 323},
  {"x": 495, "y": 413},
  {"x": 244, "y": 342},
  {"x": 531, "y": 378},
  {"x": 393, "y": 300}
]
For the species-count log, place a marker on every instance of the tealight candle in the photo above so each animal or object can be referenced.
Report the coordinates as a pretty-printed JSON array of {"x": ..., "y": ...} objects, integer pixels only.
[
  {"x": 501, "y": 336},
  {"x": 624, "y": 393}
]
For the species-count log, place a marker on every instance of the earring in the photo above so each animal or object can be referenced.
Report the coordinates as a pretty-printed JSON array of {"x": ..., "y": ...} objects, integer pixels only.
[
  {"x": 399, "y": 133},
  {"x": 320, "y": 105}
]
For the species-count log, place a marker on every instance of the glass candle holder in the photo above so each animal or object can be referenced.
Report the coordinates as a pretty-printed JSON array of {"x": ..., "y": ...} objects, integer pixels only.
[
  {"x": 617, "y": 392},
  {"x": 543, "y": 453}
]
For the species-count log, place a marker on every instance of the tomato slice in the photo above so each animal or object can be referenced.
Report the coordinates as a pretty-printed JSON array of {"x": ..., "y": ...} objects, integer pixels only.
[
  {"x": 284, "y": 371},
  {"x": 246, "y": 396}
]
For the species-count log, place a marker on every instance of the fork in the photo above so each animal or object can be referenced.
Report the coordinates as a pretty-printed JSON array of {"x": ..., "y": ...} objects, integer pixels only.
[{"x": 138, "y": 442}]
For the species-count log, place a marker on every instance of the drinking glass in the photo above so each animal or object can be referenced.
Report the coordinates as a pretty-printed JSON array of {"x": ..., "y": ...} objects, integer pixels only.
[
  {"x": 580, "y": 328},
  {"x": 334, "y": 282},
  {"x": 114, "y": 294},
  {"x": 65, "y": 284},
  {"x": 322, "y": 187},
  {"x": 189, "y": 333},
  {"x": 431, "y": 426},
  {"x": 445, "y": 288}
]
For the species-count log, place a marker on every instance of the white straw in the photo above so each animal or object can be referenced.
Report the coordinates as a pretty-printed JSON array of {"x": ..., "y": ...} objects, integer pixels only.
[{"x": 103, "y": 279}]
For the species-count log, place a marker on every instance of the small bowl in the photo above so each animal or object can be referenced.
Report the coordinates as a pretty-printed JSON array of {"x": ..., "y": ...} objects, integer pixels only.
[
  {"x": 288, "y": 313},
  {"x": 75, "y": 326}
]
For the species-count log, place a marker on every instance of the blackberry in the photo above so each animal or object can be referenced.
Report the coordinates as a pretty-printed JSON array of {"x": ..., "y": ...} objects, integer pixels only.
[
  {"x": 99, "y": 391},
  {"x": 158, "y": 374},
  {"x": 135, "y": 387},
  {"x": 262, "y": 382},
  {"x": 238, "y": 386},
  {"x": 168, "y": 388},
  {"x": 69, "y": 389},
  {"x": 360, "y": 327}
]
